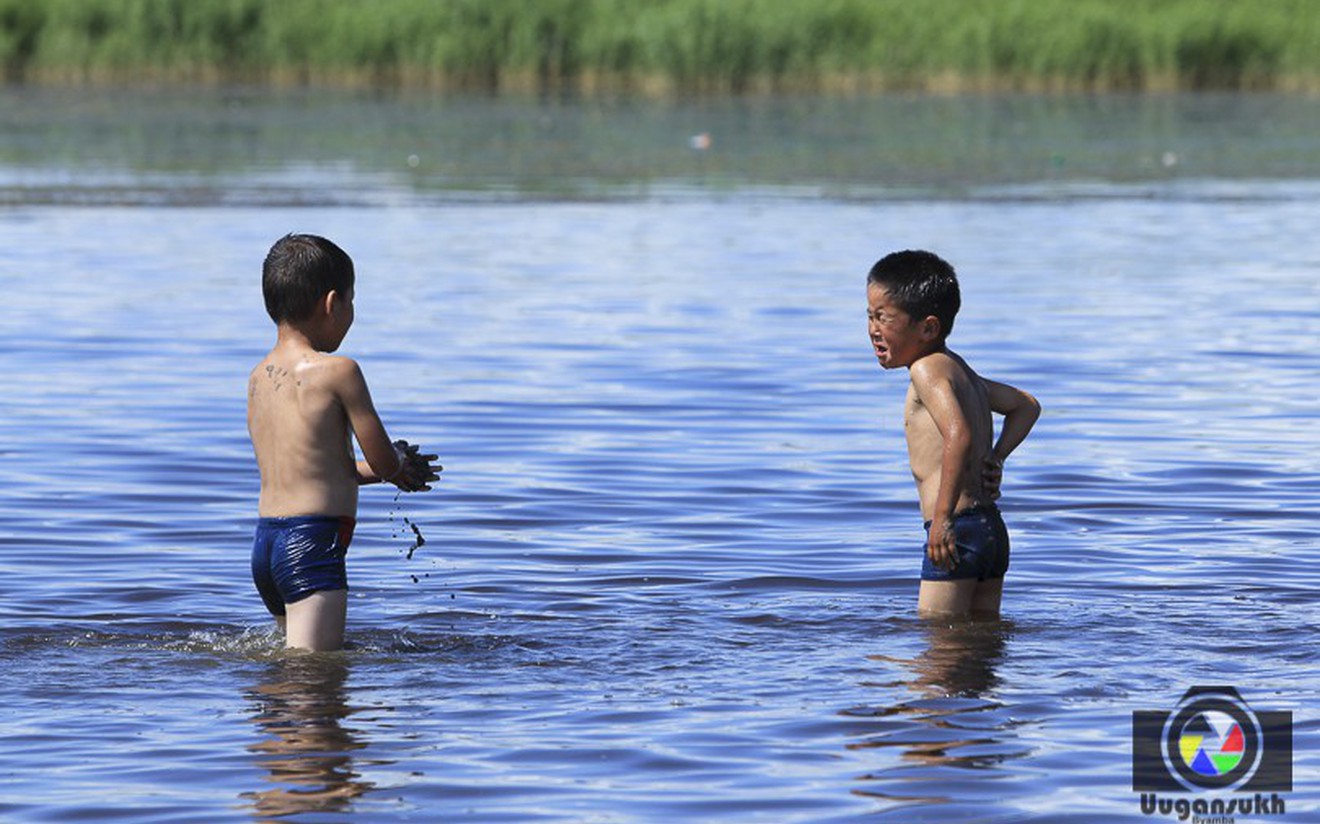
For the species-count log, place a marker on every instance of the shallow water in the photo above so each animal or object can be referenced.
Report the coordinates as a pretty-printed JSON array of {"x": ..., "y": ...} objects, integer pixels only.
[{"x": 670, "y": 572}]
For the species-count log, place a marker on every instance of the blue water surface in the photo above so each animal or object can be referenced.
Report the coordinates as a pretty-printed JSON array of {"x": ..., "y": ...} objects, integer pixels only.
[{"x": 670, "y": 573}]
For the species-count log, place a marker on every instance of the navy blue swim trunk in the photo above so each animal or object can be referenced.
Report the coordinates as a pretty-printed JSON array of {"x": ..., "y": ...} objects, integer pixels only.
[
  {"x": 982, "y": 544},
  {"x": 295, "y": 557}
]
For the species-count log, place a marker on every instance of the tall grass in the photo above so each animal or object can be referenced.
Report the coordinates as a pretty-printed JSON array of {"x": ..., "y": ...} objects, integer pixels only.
[{"x": 671, "y": 45}]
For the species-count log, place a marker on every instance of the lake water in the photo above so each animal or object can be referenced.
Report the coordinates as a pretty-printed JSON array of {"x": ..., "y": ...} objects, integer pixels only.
[{"x": 670, "y": 573}]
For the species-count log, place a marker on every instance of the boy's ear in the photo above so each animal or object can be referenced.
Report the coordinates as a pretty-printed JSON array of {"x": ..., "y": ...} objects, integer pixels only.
[
  {"x": 929, "y": 327},
  {"x": 328, "y": 302}
]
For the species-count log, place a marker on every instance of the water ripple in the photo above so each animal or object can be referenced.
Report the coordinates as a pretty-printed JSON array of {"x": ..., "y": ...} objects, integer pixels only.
[{"x": 671, "y": 569}]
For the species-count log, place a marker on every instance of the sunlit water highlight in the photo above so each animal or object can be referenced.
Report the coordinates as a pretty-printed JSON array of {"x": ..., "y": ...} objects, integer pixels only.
[{"x": 670, "y": 573}]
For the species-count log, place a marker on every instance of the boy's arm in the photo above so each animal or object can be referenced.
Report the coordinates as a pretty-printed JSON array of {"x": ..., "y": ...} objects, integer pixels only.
[
  {"x": 351, "y": 388},
  {"x": 1020, "y": 412},
  {"x": 932, "y": 380},
  {"x": 384, "y": 460},
  {"x": 367, "y": 475}
]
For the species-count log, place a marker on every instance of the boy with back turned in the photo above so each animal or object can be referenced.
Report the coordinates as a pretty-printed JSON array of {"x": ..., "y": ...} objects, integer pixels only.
[
  {"x": 304, "y": 406},
  {"x": 912, "y": 299}
]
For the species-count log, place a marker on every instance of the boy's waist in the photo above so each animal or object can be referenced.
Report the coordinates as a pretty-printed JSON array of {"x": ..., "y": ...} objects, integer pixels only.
[
  {"x": 973, "y": 510},
  {"x": 287, "y": 521}
]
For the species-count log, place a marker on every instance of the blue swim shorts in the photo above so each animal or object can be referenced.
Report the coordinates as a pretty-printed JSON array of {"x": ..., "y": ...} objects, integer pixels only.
[
  {"x": 295, "y": 557},
  {"x": 982, "y": 542}
]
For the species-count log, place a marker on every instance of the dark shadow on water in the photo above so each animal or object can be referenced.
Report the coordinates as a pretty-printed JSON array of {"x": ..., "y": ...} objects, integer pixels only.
[
  {"x": 300, "y": 707},
  {"x": 948, "y": 730}
]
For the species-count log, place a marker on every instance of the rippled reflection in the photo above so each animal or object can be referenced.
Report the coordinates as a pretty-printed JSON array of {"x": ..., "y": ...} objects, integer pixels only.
[
  {"x": 949, "y": 720},
  {"x": 960, "y": 658},
  {"x": 301, "y": 706}
]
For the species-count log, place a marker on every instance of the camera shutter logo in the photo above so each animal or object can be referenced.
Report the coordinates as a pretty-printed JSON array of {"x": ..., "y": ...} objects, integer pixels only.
[{"x": 1212, "y": 742}]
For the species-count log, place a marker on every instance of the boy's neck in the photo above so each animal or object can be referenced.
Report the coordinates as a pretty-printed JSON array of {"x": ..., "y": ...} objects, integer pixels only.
[
  {"x": 936, "y": 349},
  {"x": 289, "y": 336}
]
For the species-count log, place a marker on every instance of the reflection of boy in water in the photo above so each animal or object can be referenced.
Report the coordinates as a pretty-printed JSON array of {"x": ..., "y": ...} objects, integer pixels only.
[
  {"x": 912, "y": 299},
  {"x": 303, "y": 406},
  {"x": 302, "y": 705},
  {"x": 959, "y": 724}
]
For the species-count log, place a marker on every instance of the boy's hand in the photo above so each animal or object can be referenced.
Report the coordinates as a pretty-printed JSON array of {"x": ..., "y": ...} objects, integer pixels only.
[
  {"x": 942, "y": 546},
  {"x": 992, "y": 476},
  {"x": 415, "y": 470}
]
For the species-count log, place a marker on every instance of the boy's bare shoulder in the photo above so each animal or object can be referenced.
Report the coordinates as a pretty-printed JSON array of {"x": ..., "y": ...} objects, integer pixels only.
[
  {"x": 947, "y": 364},
  {"x": 333, "y": 375},
  {"x": 945, "y": 376},
  {"x": 938, "y": 367},
  {"x": 327, "y": 364},
  {"x": 309, "y": 370}
]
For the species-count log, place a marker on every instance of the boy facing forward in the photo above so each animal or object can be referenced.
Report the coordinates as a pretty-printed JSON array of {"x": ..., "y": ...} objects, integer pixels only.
[
  {"x": 303, "y": 405},
  {"x": 912, "y": 299}
]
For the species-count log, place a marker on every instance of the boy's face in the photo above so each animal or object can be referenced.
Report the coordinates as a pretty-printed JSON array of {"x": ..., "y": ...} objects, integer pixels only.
[{"x": 897, "y": 338}]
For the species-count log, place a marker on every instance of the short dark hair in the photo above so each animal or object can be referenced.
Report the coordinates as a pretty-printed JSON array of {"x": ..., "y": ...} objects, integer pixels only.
[
  {"x": 921, "y": 283},
  {"x": 299, "y": 271}
]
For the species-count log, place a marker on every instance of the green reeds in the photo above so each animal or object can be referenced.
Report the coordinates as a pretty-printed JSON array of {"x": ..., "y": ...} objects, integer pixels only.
[{"x": 671, "y": 45}]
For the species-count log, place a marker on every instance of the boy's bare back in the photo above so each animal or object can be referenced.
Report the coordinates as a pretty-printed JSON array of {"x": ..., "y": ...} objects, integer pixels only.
[{"x": 300, "y": 432}]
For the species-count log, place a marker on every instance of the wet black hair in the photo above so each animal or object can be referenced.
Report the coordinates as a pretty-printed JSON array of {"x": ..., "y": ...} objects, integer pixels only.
[
  {"x": 299, "y": 271},
  {"x": 921, "y": 283}
]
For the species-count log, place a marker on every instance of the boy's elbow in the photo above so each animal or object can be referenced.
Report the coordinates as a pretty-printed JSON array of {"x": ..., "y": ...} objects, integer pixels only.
[
  {"x": 1033, "y": 406},
  {"x": 1023, "y": 413}
]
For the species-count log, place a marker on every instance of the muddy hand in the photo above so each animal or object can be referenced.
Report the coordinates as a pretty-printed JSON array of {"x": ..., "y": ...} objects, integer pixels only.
[{"x": 419, "y": 471}]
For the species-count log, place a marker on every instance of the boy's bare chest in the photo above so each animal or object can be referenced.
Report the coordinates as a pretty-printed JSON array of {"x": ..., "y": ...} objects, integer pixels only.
[
  {"x": 915, "y": 414},
  {"x": 918, "y": 425}
]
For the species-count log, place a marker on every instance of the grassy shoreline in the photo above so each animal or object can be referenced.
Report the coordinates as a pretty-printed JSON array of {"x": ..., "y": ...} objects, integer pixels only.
[{"x": 670, "y": 46}]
